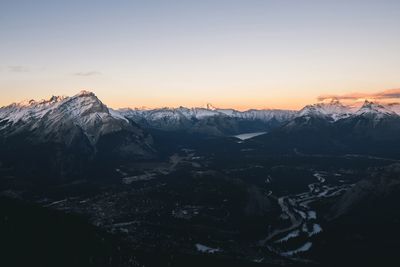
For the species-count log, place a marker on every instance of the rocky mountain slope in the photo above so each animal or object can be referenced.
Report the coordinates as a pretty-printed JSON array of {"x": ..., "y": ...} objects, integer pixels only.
[{"x": 66, "y": 133}]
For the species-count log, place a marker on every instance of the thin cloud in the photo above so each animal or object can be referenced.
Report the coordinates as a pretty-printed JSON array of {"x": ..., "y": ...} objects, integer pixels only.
[
  {"x": 393, "y": 93},
  {"x": 18, "y": 69},
  {"x": 387, "y": 94},
  {"x": 88, "y": 73}
]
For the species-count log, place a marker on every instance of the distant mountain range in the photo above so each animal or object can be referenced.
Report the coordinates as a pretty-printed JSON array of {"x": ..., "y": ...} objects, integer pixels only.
[
  {"x": 209, "y": 120},
  {"x": 64, "y": 119},
  {"x": 95, "y": 119},
  {"x": 68, "y": 133},
  {"x": 183, "y": 118}
]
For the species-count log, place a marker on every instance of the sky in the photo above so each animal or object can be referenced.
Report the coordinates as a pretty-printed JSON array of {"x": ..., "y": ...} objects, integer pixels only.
[{"x": 231, "y": 53}]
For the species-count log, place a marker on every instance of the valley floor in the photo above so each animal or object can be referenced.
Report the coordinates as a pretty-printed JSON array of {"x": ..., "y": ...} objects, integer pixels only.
[{"x": 212, "y": 201}]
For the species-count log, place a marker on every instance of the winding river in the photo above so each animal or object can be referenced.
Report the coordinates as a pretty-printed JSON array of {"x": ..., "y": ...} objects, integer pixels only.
[{"x": 303, "y": 221}]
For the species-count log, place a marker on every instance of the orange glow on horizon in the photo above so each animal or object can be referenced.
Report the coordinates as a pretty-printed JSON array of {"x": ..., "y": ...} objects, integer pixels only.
[{"x": 238, "y": 99}]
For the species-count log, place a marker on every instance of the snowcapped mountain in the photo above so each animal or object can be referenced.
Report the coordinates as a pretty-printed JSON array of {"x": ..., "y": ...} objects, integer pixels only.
[
  {"x": 318, "y": 116},
  {"x": 374, "y": 121},
  {"x": 234, "y": 121},
  {"x": 375, "y": 111},
  {"x": 73, "y": 128},
  {"x": 336, "y": 128},
  {"x": 83, "y": 111},
  {"x": 333, "y": 110}
]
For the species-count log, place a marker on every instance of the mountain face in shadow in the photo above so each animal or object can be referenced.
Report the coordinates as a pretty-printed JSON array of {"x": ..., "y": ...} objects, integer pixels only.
[{"x": 208, "y": 121}]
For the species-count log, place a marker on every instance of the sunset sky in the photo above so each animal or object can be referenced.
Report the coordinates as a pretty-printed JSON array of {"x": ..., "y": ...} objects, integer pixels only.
[{"x": 241, "y": 54}]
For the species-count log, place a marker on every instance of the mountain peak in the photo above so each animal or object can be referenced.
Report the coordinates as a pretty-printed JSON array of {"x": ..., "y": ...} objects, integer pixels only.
[
  {"x": 367, "y": 103},
  {"x": 335, "y": 101},
  {"x": 210, "y": 106},
  {"x": 85, "y": 93},
  {"x": 56, "y": 98},
  {"x": 81, "y": 105},
  {"x": 370, "y": 107}
]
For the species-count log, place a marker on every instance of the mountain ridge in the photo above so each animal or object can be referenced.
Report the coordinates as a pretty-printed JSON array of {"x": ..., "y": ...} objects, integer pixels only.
[{"x": 95, "y": 118}]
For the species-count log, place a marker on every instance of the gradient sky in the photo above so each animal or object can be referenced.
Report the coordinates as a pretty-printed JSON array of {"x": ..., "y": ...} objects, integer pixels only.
[{"x": 241, "y": 54}]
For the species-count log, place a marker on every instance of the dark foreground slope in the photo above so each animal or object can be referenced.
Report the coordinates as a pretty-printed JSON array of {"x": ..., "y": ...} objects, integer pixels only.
[{"x": 35, "y": 236}]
